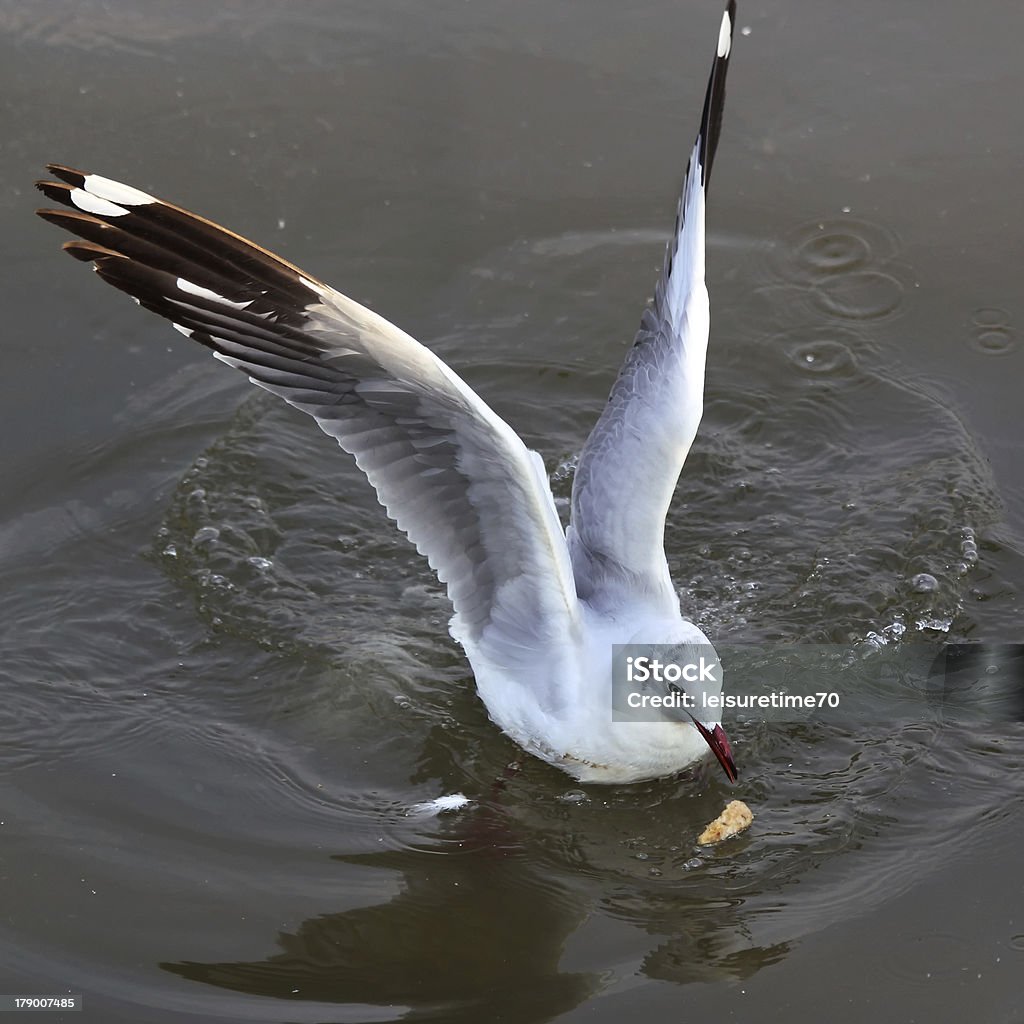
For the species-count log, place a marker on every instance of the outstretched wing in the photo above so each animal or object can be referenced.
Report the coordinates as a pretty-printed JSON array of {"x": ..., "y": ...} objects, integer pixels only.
[
  {"x": 453, "y": 475},
  {"x": 628, "y": 469}
]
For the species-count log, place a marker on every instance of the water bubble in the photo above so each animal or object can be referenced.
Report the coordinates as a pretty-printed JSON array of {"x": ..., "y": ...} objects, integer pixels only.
[
  {"x": 924, "y": 583},
  {"x": 573, "y": 796},
  {"x": 260, "y": 563},
  {"x": 205, "y": 535},
  {"x": 197, "y": 500}
]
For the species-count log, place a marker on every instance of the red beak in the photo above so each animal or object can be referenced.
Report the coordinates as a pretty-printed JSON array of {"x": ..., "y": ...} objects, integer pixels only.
[{"x": 719, "y": 744}]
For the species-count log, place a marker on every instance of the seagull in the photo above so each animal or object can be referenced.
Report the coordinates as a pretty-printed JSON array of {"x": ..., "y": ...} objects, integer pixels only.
[{"x": 537, "y": 609}]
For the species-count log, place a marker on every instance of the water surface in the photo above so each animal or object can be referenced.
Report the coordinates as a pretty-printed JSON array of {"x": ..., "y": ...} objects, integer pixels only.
[{"x": 226, "y": 678}]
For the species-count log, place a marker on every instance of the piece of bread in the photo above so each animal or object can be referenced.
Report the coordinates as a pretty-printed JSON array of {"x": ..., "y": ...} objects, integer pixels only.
[{"x": 734, "y": 819}]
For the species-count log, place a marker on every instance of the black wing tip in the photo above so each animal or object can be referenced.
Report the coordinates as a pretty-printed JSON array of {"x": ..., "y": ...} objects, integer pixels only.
[
  {"x": 714, "y": 100},
  {"x": 56, "y": 191},
  {"x": 62, "y": 218},
  {"x": 88, "y": 252},
  {"x": 68, "y": 174}
]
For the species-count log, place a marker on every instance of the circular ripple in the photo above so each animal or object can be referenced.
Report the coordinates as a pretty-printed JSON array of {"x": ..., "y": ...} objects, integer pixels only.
[
  {"x": 833, "y": 252},
  {"x": 823, "y": 358},
  {"x": 823, "y": 249},
  {"x": 863, "y": 295},
  {"x": 990, "y": 316},
  {"x": 826, "y": 351},
  {"x": 993, "y": 341}
]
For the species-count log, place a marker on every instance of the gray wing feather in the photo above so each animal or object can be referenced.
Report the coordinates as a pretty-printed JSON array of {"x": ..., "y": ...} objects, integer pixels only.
[
  {"x": 453, "y": 475},
  {"x": 629, "y": 466}
]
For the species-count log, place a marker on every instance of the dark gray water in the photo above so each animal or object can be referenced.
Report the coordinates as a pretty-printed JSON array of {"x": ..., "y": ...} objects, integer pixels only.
[{"x": 225, "y": 676}]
